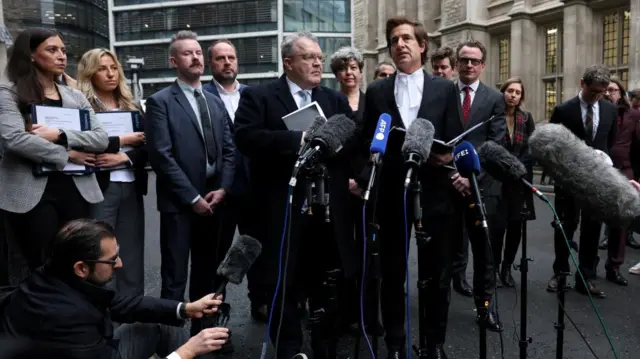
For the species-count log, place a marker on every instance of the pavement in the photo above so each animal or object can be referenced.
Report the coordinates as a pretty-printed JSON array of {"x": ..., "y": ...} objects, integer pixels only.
[{"x": 620, "y": 310}]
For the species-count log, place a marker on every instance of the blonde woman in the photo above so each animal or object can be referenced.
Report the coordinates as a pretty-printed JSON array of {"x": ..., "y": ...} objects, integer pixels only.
[{"x": 101, "y": 79}]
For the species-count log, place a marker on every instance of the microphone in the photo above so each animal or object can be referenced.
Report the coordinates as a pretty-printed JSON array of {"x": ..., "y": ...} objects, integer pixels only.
[
  {"x": 597, "y": 187},
  {"x": 240, "y": 257},
  {"x": 329, "y": 138},
  {"x": 319, "y": 121},
  {"x": 378, "y": 148},
  {"x": 467, "y": 163},
  {"x": 505, "y": 167},
  {"x": 417, "y": 145}
]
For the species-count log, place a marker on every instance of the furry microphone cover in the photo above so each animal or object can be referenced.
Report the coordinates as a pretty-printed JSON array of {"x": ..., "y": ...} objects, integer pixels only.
[
  {"x": 419, "y": 139},
  {"x": 599, "y": 188}
]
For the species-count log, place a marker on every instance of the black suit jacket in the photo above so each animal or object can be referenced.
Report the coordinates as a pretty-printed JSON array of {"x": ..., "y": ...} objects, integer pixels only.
[
  {"x": 439, "y": 106},
  {"x": 272, "y": 149},
  {"x": 73, "y": 317},
  {"x": 177, "y": 151},
  {"x": 241, "y": 178},
  {"x": 569, "y": 114}
]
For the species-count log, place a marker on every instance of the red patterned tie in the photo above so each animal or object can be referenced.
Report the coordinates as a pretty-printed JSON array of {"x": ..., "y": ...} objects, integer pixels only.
[{"x": 466, "y": 105}]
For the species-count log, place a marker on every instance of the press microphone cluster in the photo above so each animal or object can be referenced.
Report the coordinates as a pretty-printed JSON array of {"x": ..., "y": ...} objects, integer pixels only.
[
  {"x": 329, "y": 138},
  {"x": 417, "y": 146},
  {"x": 308, "y": 136},
  {"x": 505, "y": 167},
  {"x": 598, "y": 188}
]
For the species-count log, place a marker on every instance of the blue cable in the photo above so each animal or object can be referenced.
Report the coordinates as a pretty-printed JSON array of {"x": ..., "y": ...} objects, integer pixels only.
[
  {"x": 263, "y": 354},
  {"x": 364, "y": 271},
  {"x": 407, "y": 283}
]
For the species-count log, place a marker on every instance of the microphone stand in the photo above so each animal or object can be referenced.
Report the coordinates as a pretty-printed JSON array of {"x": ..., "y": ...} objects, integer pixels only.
[
  {"x": 562, "y": 289},
  {"x": 524, "y": 268}
]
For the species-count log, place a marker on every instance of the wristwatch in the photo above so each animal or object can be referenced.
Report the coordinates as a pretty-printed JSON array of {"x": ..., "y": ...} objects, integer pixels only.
[
  {"x": 183, "y": 311},
  {"x": 62, "y": 139}
]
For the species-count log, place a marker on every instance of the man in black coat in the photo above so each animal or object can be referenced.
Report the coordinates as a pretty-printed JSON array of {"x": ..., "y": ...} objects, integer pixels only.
[
  {"x": 318, "y": 252},
  {"x": 594, "y": 120},
  {"x": 68, "y": 307}
]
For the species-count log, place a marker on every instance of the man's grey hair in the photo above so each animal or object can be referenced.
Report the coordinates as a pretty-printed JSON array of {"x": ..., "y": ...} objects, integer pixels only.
[
  {"x": 379, "y": 67},
  {"x": 340, "y": 58},
  {"x": 286, "y": 49},
  {"x": 180, "y": 35},
  {"x": 597, "y": 75}
]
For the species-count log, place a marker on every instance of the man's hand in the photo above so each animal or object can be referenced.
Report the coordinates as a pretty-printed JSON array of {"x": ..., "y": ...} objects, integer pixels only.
[
  {"x": 208, "y": 340},
  {"x": 206, "y": 305},
  {"x": 48, "y": 133},
  {"x": 302, "y": 138},
  {"x": 461, "y": 184},
  {"x": 354, "y": 188},
  {"x": 111, "y": 159},
  {"x": 440, "y": 159},
  {"x": 214, "y": 198},
  {"x": 82, "y": 158},
  {"x": 635, "y": 184},
  {"x": 202, "y": 207},
  {"x": 132, "y": 139}
]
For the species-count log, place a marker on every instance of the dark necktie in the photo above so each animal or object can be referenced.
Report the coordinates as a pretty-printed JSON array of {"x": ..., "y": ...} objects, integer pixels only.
[
  {"x": 466, "y": 105},
  {"x": 589, "y": 122},
  {"x": 207, "y": 130}
]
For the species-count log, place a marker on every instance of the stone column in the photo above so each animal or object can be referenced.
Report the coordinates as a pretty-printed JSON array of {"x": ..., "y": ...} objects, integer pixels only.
[
  {"x": 3, "y": 45},
  {"x": 523, "y": 56},
  {"x": 579, "y": 51},
  {"x": 634, "y": 46}
]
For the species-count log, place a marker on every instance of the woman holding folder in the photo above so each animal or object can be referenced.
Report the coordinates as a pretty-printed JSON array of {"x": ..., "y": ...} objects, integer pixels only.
[
  {"x": 101, "y": 79},
  {"x": 38, "y": 205}
]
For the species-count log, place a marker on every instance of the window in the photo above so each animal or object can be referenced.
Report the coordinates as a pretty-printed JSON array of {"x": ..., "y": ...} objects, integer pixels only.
[
  {"x": 258, "y": 54},
  {"x": 317, "y": 15},
  {"x": 209, "y": 19},
  {"x": 552, "y": 77},
  {"x": 329, "y": 45},
  {"x": 503, "y": 60},
  {"x": 615, "y": 46},
  {"x": 331, "y": 83}
]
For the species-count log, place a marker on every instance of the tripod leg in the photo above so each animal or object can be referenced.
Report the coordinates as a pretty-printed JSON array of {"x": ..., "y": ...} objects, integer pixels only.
[
  {"x": 423, "y": 295},
  {"x": 562, "y": 288}
]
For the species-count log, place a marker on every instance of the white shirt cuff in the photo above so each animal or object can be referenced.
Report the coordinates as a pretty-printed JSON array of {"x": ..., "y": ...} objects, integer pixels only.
[
  {"x": 178, "y": 312},
  {"x": 193, "y": 201},
  {"x": 173, "y": 355}
]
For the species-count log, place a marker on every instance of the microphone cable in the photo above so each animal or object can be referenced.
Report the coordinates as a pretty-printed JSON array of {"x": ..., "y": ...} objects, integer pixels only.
[
  {"x": 407, "y": 279},
  {"x": 286, "y": 233},
  {"x": 584, "y": 282},
  {"x": 363, "y": 278}
]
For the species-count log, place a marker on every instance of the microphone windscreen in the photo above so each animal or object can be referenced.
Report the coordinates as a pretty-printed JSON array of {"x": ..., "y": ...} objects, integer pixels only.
[
  {"x": 500, "y": 163},
  {"x": 315, "y": 125},
  {"x": 240, "y": 257},
  {"x": 466, "y": 159},
  {"x": 419, "y": 138},
  {"x": 600, "y": 189},
  {"x": 334, "y": 133},
  {"x": 381, "y": 136}
]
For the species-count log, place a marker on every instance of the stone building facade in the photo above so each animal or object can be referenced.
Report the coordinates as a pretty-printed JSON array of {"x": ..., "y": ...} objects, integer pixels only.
[{"x": 548, "y": 43}]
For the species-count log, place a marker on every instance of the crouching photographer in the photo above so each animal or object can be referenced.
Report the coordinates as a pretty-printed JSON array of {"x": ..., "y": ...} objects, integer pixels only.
[{"x": 68, "y": 307}]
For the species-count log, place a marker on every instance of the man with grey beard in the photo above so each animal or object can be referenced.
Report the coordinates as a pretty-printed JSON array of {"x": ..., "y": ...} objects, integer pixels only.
[{"x": 223, "y": 61}]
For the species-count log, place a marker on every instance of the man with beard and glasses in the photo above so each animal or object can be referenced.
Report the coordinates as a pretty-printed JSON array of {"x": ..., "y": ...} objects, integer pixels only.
[
  {"x": 223, "y": 60},
  {"x": 67, "y": 308},
  {"x": 192, "y": 152}
]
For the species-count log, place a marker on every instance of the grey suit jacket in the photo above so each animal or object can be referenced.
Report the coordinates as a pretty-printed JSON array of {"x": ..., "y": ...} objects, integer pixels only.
[{"x": 21, "y": 190}]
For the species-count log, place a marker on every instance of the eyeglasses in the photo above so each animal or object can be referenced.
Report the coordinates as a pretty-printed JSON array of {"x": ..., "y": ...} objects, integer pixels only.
[
  {"x": 111, "y": 262},
  {"x": 466, "y": 60}
]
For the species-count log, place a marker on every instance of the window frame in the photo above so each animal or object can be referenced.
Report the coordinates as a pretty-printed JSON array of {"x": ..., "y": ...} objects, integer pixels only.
[{"x": 554, "y": 77}]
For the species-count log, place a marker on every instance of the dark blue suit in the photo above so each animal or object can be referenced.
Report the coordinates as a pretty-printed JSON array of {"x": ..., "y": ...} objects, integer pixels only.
[{"x": 177, "y": 154}]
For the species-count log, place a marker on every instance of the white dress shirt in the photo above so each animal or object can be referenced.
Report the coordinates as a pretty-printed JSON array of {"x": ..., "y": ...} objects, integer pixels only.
[
  {"x": 408, "y": 94},
  {"x": 474, "y": 88},
  {"x": 596, "y": 114},
  {"x": 230, "y": 99}
]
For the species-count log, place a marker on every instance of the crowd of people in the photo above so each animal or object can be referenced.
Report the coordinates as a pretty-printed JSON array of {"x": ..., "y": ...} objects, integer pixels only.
[{"x": 222, "y": 157}]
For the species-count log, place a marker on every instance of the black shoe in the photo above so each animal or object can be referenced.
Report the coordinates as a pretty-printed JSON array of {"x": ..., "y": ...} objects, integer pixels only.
[
  {"x": 436, "y": 352},
  {"x": 631, "y": 242},
  {"x": 614, "y": 276},
  {"x": 591, "y": 288},
  {"x": 490, "y": 322},
  {"x": 461, "y": 286},
  {"x": 506, "y": 277},
  {"x": 604, "y": 243},
  {"x": 397, "y": 353}
]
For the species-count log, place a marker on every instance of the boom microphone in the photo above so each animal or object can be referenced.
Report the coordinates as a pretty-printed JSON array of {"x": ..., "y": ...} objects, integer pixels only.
[
  {"x": 240, "y": 257},
  {"x": 417, "y": 145},
  {"x": 599, "y": 188},
  {"x": 505, "y": 167}
]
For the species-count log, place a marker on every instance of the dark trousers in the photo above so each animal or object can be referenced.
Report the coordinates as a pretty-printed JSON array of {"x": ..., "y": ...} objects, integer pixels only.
[
  {"x": 314, "y": 277},
  {"x": 616, "y": 247},
  {"x": 483, "y": 263},
  {"x": 460, "y": 255},
  {"x": 570, "y": 215},
  {"x": 511, "y": 242},
  {"x": 143, "y": 340},
  {"x": 60, "y": 203},
  {"x": 4, "y": 253},
  {"x": 181, "y": 233}
]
